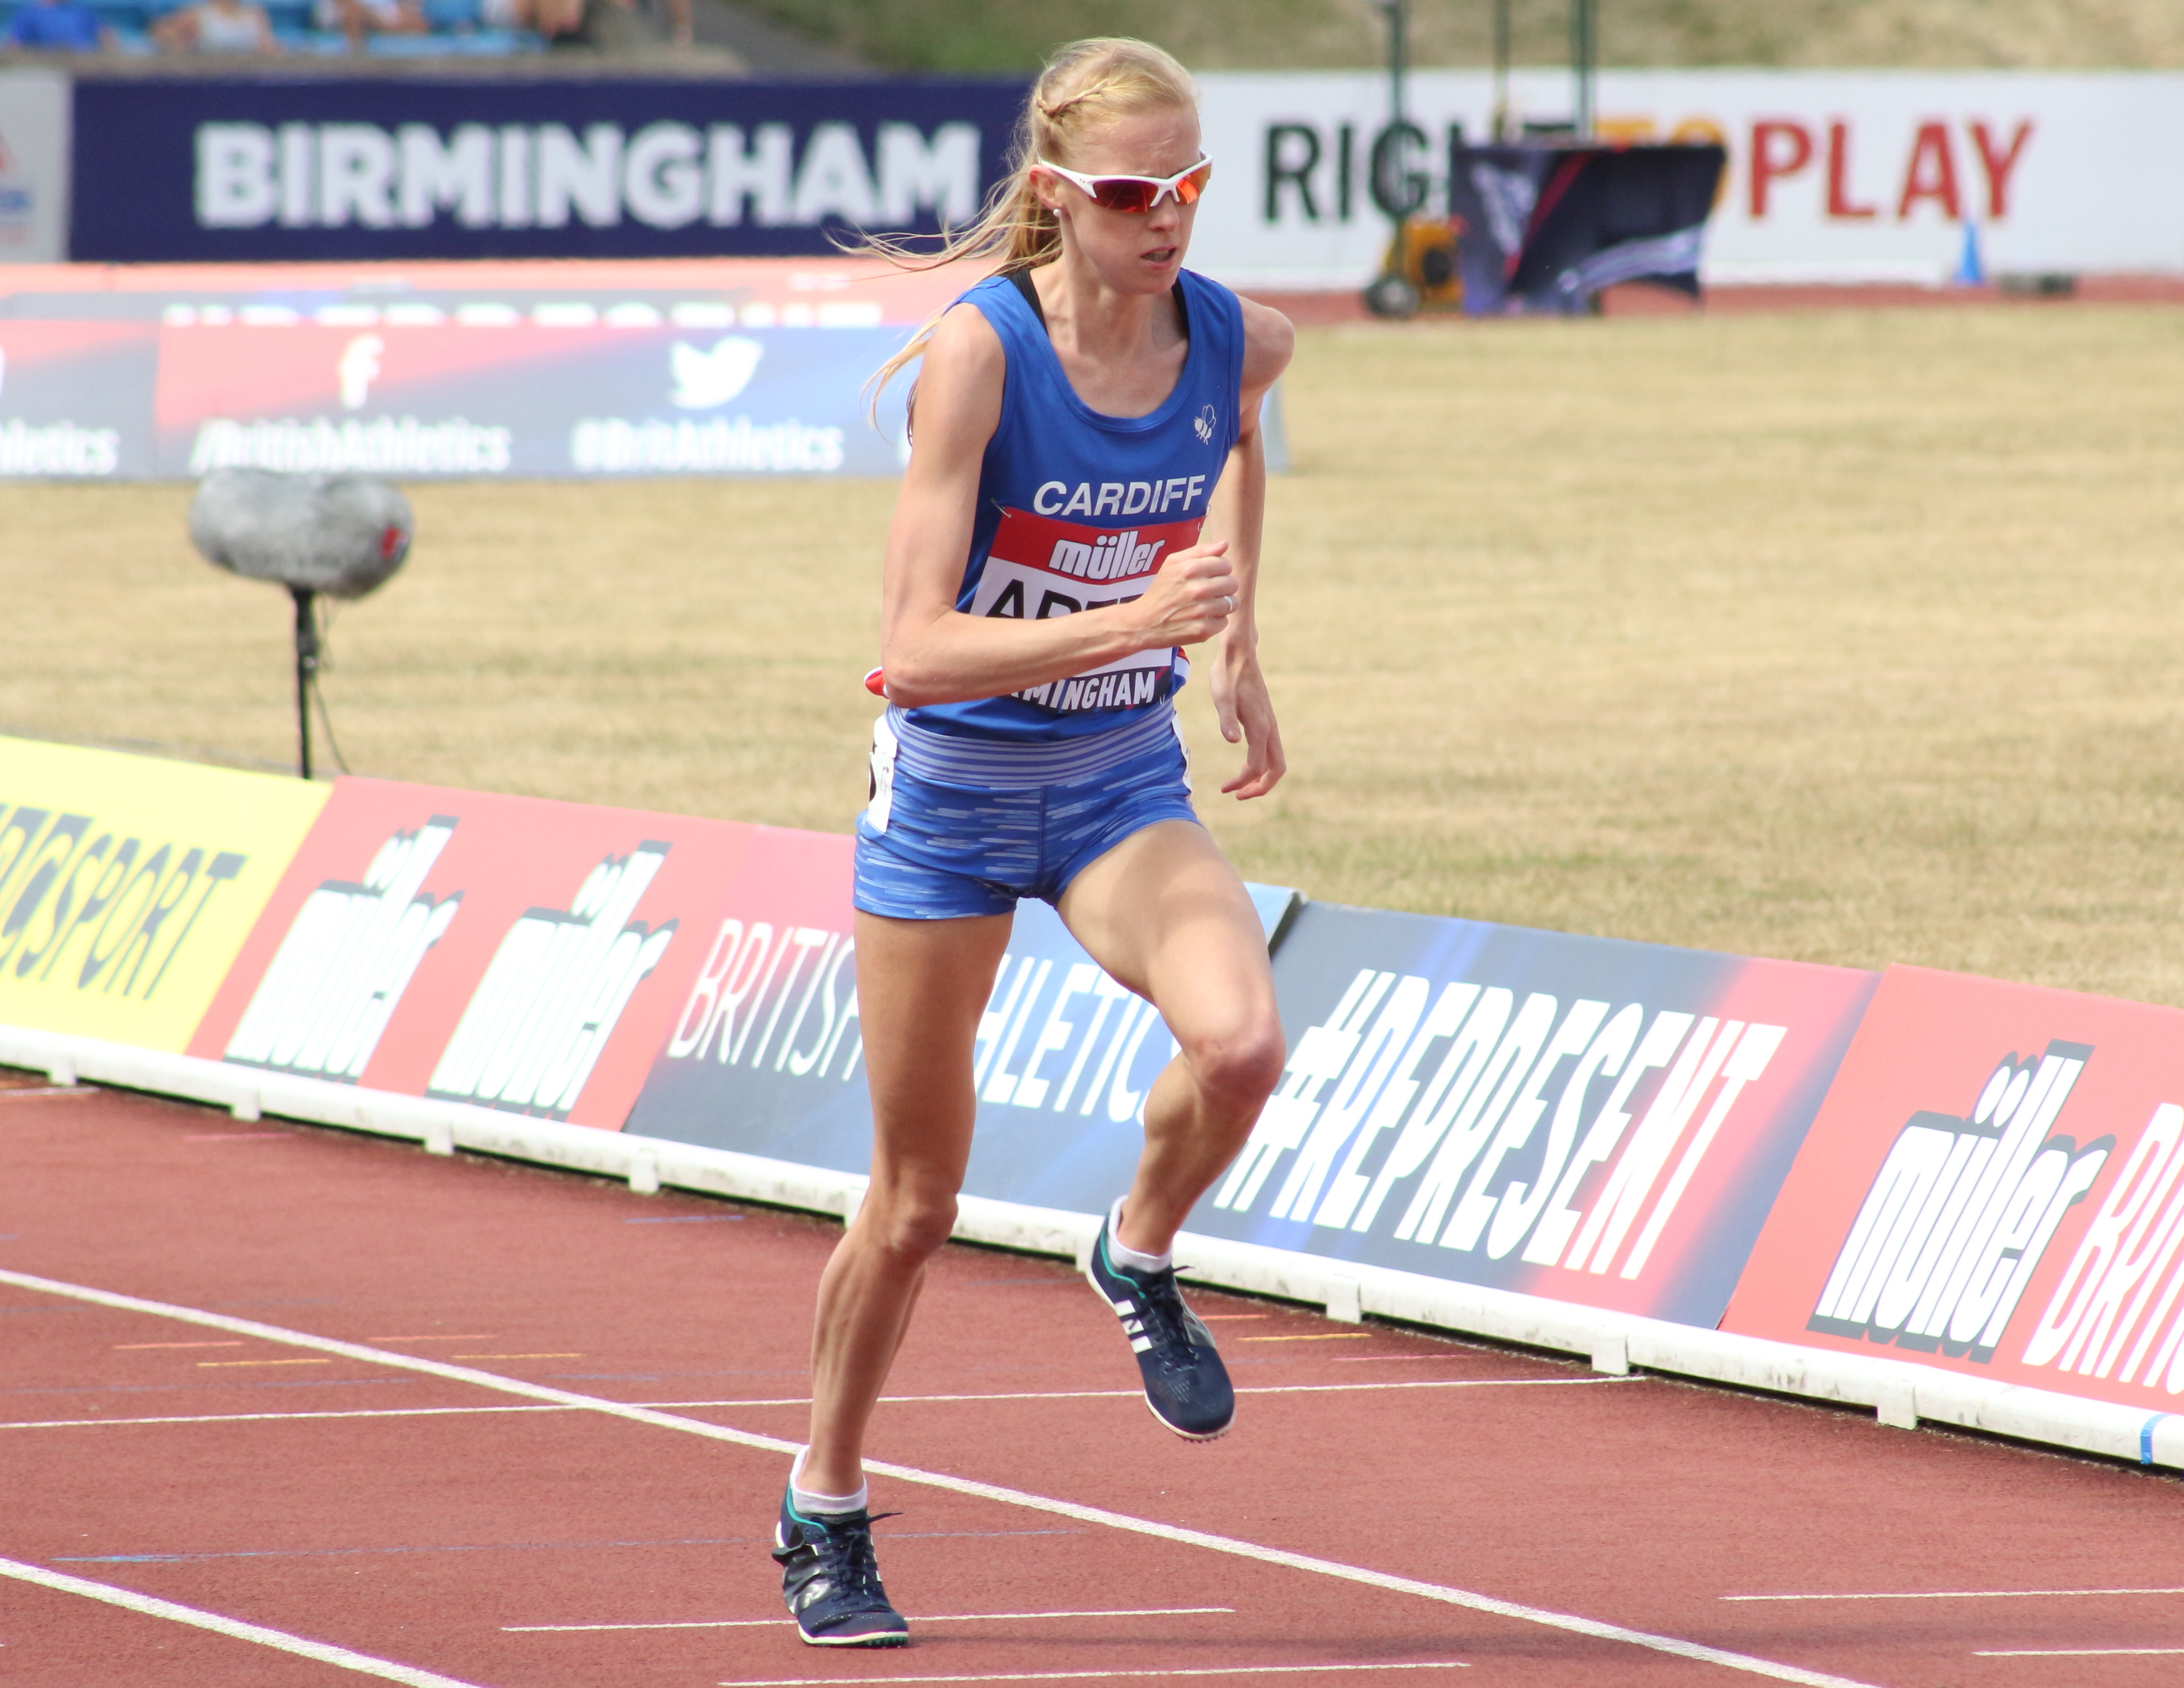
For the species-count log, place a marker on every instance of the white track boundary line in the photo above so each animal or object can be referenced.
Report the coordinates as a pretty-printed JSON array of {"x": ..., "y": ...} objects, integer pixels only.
[
  {"x": 281, "y": 1640},
  {"x": 805, "y": 1400},
  {"x": 1961, "y": 1594},
  {"x": 2072, "y": 1652},
  {"x": 277, "y": 1417},
  {"x": 1230, "y": 1546},
  {"x": 915, "y": 1618},
  {"x": 1103, "y": 1675}
]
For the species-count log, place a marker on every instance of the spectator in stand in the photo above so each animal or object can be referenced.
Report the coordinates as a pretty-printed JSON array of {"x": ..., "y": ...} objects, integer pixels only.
[
  {"x": 216, "y": 26},
  {"x": 551, "y": 19},
  {"x": 58, "y": 26},
  {"x": 356, "y": 18}
]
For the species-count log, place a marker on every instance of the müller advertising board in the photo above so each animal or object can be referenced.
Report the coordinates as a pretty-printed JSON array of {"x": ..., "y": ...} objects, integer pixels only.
[
  {"x": 1995, "y": 1187},
  {"x": 1593, "y": 1120},
  {"x": 509, "y": 952}
]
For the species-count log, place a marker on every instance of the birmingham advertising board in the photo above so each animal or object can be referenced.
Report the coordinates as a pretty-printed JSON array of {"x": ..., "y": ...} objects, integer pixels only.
[{"x": 264, "y": 169}]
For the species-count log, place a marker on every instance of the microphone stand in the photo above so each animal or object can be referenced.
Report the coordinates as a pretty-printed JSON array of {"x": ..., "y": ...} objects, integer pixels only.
[{"x": 307, "y": 670}]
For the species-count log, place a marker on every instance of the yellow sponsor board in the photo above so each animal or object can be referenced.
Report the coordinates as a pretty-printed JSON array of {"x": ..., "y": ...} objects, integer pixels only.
[{"x": 127, "y": 884}]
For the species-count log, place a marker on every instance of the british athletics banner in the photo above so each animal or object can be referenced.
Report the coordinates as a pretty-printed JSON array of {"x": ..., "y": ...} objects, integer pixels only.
[
  {"x": 765, "y": 1056},
  {"x": 252, "y": 170},
  {"x": 581, "y": 394},
  {"x": 724, "y": 366},
  {"x": 75, "y": 400},
  {"x": 1592, "y": 1121},
  {"x": 1995, "y": 1187}
]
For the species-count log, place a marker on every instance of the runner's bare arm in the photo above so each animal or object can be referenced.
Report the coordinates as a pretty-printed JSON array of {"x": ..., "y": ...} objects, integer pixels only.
[
  {"x": 1237, "y": 517},
  {"x": 930, "y": 650}
]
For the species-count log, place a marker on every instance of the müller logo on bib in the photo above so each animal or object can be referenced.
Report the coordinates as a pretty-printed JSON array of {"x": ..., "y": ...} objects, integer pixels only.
[
  {"x": 1039, "y": 566},
  {"x": 1110, "y": 556}
]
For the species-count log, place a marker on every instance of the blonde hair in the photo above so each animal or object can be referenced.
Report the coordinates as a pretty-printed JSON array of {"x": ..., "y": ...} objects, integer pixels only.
[{"x": 1084, "y": 87}]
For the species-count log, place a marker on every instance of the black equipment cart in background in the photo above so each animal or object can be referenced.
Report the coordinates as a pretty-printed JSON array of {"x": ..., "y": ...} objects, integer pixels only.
[{"x": 1545, "y": 227}]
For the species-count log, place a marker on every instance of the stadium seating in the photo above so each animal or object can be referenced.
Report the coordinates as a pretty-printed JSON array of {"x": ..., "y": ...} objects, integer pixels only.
[{"x": 457, "y": 28}]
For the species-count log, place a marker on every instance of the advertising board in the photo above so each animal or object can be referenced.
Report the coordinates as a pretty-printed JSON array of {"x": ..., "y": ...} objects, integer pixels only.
[
  {"x": 765, "y": 1055},
  {"x": 1995, "y": 1186},
  {"x": 128, "y": 884},
  {"x": 1596, "y": 1122},
  {"x": 508, "y": 952},
  {"x": 34, "y": 166},
  {"x": 1833, "y": 176},
  {"x": 271, "y": 169},
  {"x": 618, "y": 390},
  {"x": 75, "y": 400}
]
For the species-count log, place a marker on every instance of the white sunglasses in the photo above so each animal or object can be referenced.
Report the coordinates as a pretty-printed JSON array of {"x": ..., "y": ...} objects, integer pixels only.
[{"x": 1135, "y": 195}]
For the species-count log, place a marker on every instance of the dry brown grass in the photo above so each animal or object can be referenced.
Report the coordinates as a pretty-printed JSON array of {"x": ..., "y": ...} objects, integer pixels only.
[{"x": 1845, "y": 637}]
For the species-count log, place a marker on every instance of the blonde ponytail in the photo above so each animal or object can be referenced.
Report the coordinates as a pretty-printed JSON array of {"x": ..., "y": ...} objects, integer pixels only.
[{"x": 1085, "y": 85}]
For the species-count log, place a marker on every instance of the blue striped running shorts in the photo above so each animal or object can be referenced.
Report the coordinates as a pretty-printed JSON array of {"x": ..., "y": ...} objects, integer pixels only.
[{"x": 958, "y": 827}]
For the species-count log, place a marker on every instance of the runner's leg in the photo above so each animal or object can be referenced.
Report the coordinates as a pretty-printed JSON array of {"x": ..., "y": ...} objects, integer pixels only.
[
  {"x": 1167, "y": 915},
  {"x": 922, "y": 985}
]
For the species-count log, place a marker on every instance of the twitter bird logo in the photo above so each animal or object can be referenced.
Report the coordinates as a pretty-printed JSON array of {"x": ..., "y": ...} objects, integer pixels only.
[{"x": 705, "y": 380}]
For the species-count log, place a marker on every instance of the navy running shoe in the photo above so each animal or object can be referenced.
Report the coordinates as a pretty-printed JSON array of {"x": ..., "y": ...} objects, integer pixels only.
[
  {"x": 1186, "y": 1385},
  {"x": 832, "y": 1581}
]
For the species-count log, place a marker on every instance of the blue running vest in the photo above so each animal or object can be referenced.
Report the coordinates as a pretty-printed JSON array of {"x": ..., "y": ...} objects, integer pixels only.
[{"x": 1077, "y": 510}]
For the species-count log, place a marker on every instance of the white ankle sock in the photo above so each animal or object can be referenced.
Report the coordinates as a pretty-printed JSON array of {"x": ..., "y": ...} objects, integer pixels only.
[
  {"x": 1128, "y": 1258},
  {"x": 809, "y": 1501}
]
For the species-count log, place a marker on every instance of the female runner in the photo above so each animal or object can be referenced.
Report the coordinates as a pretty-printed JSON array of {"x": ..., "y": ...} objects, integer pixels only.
[{"x": 1083, "y": 501}]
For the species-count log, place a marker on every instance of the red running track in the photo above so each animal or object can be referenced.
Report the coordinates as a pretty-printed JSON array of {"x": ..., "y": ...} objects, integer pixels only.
[{"x": 1391, "y": 1508}]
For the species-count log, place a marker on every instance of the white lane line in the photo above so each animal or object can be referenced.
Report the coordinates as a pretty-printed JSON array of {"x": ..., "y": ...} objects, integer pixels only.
[
  {"x": 949, "y": 1618},
  {"x": 1961, "y": 1594},
  {"x": 805, "y": 1400},
  {"x": 325, "y": 1652},
  {"x": 1124, "y": 1521},
  {"x": 255, "y": 1417},
  {"x": 1100, "y": 1675},
  {"x": 2078, "y": 1652}
]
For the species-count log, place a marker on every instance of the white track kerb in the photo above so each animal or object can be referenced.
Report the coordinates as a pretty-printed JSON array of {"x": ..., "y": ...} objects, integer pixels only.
[
  {"x": 1230, "y": 1545},
  {"x": 280, "y": 1639},
  {"x": 1899, "y": 1392}
]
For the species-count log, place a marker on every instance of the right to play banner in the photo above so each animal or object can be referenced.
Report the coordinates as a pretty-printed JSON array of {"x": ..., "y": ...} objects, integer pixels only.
[{"x": 1994, "y": 1186}]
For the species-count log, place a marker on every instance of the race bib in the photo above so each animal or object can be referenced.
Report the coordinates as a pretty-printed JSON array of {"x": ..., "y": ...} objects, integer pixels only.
[{"x": 1039, "y": 566}]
